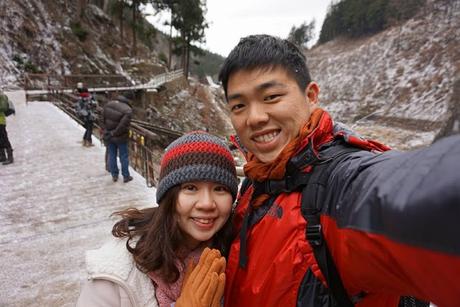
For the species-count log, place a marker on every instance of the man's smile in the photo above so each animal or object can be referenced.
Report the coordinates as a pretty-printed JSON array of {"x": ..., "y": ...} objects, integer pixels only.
[{"x": 266, "y": 136}]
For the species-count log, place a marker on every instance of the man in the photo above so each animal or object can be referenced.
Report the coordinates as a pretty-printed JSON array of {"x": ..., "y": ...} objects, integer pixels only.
[
  {"x": 6, "y": 151},
  {"x": 116, "y": 121},
  {"x": 331, "y": 219}
]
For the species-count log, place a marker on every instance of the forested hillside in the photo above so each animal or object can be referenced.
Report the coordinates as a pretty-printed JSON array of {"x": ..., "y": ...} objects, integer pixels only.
[
  {"x": 397, "y": 85},
  {"x": 355, "y": 18}
]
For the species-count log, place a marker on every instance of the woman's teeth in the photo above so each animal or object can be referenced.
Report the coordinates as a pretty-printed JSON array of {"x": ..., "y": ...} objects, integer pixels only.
[{"x": 203, "y": 221}]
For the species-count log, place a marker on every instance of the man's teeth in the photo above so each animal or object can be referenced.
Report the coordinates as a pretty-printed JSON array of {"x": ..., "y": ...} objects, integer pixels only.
[
  {"x": 266, "y": 137},
  {"x": 204, "y": 221}
]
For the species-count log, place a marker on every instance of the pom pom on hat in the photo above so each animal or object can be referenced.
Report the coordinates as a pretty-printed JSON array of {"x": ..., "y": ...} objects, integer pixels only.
[{"x": 197, "y": 156}]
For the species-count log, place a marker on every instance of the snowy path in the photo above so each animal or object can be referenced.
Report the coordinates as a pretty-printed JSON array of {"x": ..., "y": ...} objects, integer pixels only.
[{"x": 55, "y": 203}]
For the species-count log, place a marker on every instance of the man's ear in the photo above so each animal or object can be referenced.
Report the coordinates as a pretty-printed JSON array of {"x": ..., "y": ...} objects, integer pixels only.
[{"x": 312, "y": 92}]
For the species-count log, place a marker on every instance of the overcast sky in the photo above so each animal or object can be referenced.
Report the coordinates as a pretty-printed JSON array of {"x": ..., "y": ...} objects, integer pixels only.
[{"x": 229, "y": 20}]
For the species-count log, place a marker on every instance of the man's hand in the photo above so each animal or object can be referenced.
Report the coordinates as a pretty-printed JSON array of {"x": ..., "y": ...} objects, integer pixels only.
[
  {"x": 204, "y": 283},
  {"x": 107, "y": 136}
]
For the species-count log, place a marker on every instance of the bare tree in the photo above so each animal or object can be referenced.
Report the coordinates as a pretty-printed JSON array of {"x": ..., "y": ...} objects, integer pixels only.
[{"x": 81, "y": 8}]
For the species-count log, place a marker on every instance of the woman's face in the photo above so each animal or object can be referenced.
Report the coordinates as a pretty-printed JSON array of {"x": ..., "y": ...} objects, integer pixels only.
[{"x": 202, "y": 209}]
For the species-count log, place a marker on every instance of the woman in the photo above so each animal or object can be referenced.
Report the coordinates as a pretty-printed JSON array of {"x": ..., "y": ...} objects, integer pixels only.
[{"x": 144, "y": 264}]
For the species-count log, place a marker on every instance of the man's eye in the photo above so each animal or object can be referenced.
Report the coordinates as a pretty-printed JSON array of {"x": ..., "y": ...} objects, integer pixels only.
[{"x": 272, "y": 97}]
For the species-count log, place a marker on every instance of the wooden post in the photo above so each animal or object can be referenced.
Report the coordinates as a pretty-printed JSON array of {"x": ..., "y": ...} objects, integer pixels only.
[{"x": 26, "y": 86}]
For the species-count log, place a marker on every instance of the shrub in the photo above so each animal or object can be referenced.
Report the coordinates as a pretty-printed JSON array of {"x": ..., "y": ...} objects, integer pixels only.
[
  {"x": 18, "y": 59},
  {"x": 31, "y": 67},
  {"x": 79, "y": 31},
  {"x": 163, "y": 58}
]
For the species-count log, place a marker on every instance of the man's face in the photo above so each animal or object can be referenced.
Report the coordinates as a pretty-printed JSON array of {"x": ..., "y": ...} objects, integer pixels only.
[{"x": 267, "y": 109}]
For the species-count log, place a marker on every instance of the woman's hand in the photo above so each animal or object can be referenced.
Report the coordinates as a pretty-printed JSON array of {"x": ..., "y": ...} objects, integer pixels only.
[{"x": 204, "y": 282}]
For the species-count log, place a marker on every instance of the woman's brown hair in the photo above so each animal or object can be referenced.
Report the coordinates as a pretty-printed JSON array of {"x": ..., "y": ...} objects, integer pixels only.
[{"x": 154, "y": 236}]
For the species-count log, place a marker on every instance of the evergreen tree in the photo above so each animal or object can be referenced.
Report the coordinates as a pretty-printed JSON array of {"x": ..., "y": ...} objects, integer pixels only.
[
  {"x": 354, "y": 18},
  {"x": 303, "y": 34},
  {"x": 117, "y": 8},
  {"x": 188, "y": 19},
  {"x": 171, "y": 6},
  {"x": 136, "y": 22}
]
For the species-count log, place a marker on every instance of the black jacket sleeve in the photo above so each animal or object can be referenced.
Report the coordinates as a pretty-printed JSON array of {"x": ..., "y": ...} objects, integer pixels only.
[{"x": 412, "y": 197}]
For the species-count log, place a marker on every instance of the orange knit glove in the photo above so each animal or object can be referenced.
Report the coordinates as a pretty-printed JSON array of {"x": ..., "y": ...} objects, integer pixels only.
[{"x": 204, "y": 283}]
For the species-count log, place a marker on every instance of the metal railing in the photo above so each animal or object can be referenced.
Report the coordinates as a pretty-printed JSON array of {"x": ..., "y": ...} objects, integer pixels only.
[
  {"x": 141, "y": 157},
  {"x": 143, "y": 137},
  {"x": 39, "y": 84}
]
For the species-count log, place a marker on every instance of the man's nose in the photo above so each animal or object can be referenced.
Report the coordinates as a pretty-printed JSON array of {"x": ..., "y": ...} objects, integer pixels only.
[{"x": 257, "y": 115}]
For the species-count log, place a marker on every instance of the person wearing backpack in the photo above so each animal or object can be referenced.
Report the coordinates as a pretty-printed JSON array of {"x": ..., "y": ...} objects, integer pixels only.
[
  {"x": 327, "y": 218},
  {"x": 6, "y": 109},
  {"x": 86, "y": 110}
]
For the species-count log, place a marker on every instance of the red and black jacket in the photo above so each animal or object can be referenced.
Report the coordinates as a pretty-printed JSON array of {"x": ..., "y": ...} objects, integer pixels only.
[{"x": 390, "y": 221}]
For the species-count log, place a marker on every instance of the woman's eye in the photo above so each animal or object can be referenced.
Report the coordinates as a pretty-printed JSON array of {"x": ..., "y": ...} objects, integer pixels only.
[
  {"x": 237, "y": 107},
  {"x": 221, "y": 188},
  {"x": 189, "y": 187}
]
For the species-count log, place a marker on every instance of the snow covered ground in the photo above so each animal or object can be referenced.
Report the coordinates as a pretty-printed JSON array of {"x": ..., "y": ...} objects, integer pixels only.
[{"x": 55, "y": 203}]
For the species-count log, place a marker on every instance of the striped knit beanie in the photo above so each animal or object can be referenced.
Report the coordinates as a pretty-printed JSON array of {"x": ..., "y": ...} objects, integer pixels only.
[{"x": 197, "y": 156}]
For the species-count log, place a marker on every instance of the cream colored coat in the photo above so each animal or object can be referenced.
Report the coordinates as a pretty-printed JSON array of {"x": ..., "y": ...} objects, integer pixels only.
[{"x": 114, "y": 280}]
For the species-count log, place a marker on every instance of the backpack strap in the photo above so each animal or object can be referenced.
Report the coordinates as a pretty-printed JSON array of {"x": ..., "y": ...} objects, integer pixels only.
[
  {"x": 311, "y": 210},
  {"x": 311, "y": 207}
]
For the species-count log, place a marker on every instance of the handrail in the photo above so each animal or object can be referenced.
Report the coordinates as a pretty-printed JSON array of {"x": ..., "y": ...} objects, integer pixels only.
[
  {"x": 142, "y": 137},
  {"x": 48, "y": 85}
]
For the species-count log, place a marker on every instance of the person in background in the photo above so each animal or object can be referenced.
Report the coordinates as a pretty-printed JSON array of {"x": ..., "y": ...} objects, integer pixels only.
[
  {"x": 327, "y": 218},
  {"x": 79, "y": 88},
  {"x": 6, "y": 151},
  {"x": 145, "y": 263},
  {"x": 116, "y": 122},
  {"x": 86, "y": 110}
]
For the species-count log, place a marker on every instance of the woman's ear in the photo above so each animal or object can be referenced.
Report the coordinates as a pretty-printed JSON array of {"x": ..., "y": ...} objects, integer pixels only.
[{"x": 312, "y": 92}]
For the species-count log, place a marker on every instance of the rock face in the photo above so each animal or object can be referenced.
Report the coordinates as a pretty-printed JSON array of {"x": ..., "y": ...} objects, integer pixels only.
[
  {"x": 50, "y": 36},
  {"x": 402, "y": 78},
  {"x": 452, "y": 125},
  {"x": 198, "y": 106}
]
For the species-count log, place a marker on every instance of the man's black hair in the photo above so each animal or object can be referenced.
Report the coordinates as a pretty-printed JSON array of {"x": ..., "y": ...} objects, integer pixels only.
[{"x": 265, "y": 51}]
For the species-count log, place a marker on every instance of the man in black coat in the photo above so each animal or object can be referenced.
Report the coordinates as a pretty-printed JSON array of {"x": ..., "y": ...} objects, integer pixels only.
[{"x": 116, "y": 121}]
